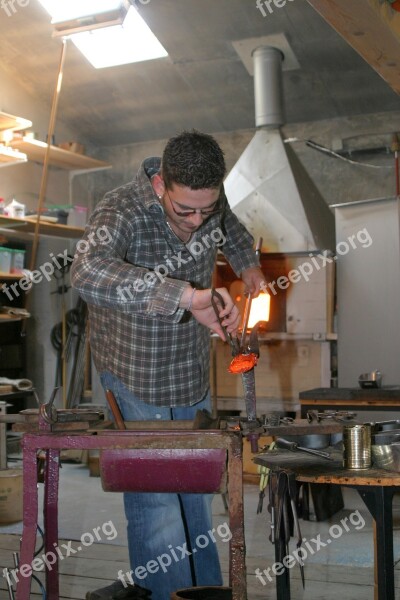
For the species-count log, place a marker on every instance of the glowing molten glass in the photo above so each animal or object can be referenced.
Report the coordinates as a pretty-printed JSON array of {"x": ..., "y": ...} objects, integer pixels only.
[{"x": 242, "y": 363}]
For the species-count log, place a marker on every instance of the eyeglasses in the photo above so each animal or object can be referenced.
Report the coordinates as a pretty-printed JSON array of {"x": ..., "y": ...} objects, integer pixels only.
[{"x": 188, "y": 213}]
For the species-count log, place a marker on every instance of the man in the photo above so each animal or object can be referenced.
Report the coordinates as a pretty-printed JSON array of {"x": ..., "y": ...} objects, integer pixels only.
[{"x": 149, "y": 298}]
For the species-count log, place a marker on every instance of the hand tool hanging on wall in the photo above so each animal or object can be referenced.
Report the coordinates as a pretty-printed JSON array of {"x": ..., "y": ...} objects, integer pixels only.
[
  {"x": 77, "y": 319},
  {"x": 265, "y": 480},
  {"x": 60, "y": 274},
  {"x": 264, "y": 477},
  {"x": 75, "y": 324},
  {"x": 284, "y": 495},
  {"x": 292, "y": 490},
  {"x": 272, "y": 483}
]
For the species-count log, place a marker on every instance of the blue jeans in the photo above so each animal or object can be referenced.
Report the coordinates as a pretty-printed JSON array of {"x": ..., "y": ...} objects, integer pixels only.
[{"x": 166, "y": 524}]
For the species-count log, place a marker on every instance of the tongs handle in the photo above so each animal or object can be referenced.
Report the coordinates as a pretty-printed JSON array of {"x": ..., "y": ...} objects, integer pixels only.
[
  {"x": 247, "y": 309},
  {"x": 233, "y": 342},
  {"x": 246, "y": 317}
]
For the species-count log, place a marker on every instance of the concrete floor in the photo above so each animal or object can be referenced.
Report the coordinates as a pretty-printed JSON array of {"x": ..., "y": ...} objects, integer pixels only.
[{"x": 84, "y": 507}]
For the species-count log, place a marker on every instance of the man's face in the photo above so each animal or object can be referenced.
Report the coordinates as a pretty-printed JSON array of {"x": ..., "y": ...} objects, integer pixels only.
[{"x": 179, "y": 201}]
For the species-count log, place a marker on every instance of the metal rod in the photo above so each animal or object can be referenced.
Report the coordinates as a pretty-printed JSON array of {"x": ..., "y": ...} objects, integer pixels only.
[
  {"x": 50, "y": 133},
  {"x": 245, "y": 319},
  {"x": 45, "y": 170},
  {"x": 6, "y": 573},
  {"x": 115, "y": 410},
  {"x": 248, "y": 301},
  {"x": 214, "y": 397}
]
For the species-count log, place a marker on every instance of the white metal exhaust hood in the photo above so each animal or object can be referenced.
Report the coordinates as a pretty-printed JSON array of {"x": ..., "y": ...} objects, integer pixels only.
[{"x": 268, "y": 188}]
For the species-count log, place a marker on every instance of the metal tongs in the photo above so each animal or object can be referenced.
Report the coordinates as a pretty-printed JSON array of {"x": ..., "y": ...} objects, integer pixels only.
[
  {"x": 232, "y": 341},
  {"x": 242, "y": 348},
  {"x": 237, "y": 347},
  {"x": 237, "y": 350}
]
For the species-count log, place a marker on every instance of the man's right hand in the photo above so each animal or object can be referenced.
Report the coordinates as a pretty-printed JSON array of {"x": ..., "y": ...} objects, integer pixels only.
[{"x": 203, "y": 311}]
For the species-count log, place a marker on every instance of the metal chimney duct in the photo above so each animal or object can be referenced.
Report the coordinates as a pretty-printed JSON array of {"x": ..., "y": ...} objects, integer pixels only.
[
  {"x": 268, "y": 188},
  {"x": 268, "y": 86}
]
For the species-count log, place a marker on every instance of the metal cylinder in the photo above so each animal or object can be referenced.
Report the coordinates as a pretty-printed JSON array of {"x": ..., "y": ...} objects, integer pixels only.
[
  {"x": 268, "y": 87},
  {"x": 357, "y": 446}
]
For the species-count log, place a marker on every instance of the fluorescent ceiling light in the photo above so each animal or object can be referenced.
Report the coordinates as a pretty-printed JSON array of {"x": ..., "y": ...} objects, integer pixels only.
[
  {"x": 133, "y": 41},
  {"x": 64, "y": 10}
]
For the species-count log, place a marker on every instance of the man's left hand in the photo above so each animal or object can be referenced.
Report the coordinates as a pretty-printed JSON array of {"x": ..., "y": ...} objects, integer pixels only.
[{"x": 254, "y": 281}]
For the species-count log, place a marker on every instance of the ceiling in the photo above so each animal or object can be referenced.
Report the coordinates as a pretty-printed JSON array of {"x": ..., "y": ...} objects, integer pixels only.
[{"x": 203, "y": 83}]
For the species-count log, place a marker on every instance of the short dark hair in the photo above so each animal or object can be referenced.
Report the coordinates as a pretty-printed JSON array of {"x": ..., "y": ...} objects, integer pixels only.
[{"x": 193, "y": 159}]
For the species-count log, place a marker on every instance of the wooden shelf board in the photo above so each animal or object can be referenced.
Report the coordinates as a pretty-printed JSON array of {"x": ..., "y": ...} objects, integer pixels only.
[
  {"x": 8, "y": 121},
  {"x": 36, "y": 150},
  {"x": 10, "y": 276},
  {"x": 9, "y": 319},
  {"x": 9, "y": 156},
  {"x": 28, "y": 226}
]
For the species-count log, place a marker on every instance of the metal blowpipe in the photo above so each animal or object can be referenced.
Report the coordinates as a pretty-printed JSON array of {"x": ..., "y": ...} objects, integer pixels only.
[{"x": 247, "y": 309}]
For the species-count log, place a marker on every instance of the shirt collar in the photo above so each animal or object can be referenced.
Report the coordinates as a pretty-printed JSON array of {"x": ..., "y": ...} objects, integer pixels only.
[{"x": 149, "y": 167}]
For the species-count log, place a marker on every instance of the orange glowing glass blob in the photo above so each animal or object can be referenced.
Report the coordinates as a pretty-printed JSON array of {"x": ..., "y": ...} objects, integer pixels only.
[{"x": 243, "y": 362}]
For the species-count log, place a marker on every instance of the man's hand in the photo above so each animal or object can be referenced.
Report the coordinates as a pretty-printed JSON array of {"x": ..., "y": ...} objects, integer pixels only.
[
  {"x": 202, "y": 310},
  {"x": 254, "y": 281}
]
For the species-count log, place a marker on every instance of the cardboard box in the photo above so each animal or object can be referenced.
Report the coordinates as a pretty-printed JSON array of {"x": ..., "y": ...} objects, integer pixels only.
[{"x": 11, "y": 488}]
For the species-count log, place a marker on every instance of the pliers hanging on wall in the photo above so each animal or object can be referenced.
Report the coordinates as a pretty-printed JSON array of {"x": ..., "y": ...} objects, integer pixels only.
[{"x": 286, "y": 493}]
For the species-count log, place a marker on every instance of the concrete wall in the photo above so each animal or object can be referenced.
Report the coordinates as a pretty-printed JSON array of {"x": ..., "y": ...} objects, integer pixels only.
[
  {"x": 23, "y": 181},
  {"x": 337, "y": 180}
]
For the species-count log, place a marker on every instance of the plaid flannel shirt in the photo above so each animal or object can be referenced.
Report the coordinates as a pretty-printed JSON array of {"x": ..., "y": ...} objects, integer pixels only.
[{"x": 133, "y": 282}]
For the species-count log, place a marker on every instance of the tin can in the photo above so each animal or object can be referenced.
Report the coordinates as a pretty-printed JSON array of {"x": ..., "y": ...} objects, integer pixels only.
[{"x": 357, "y": 446}]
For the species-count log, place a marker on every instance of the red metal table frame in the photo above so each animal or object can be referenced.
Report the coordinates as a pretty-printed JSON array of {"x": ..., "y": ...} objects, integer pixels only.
[{"x": 53, "y": 443}]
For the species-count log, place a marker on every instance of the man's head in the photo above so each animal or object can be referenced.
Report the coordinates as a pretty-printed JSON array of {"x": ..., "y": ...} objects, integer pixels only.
[
  {"x": 193, "y": 159},
  {"x": 190, "y": 180}
]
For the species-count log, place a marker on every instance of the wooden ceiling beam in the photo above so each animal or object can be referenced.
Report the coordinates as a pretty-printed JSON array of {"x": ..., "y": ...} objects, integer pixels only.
[{"x": 372, "y": 28}]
